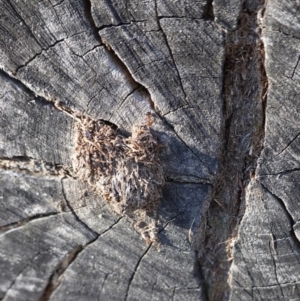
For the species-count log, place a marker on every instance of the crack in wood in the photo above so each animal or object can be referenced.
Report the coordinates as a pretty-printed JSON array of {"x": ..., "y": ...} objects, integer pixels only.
[
  {"x": 102, "y": 286},
  {"x": 36, "y": 55},
  {"x": 135, "y": 271},
  {"x": 18, "y": 83},
  {"x": 111, "y": 226},
  {"x": 280, "y": 173},
  {"x": 125, "y": 98},
  {"x": 169, "y": 48},
  {"x": 295, "y": 242},
  {"x": 123, "y": 66},
  {"x": 57, "y": 4},
  {"x": 187, "y": 179},
  {"x": 173, "y": 293},
  {"x": 171, "y": 220},
  {"x": 89, "y": 102},
  {"x": 55, "y": 102},
  {"x": 36, "y": 167},
  {"x": 292, "y": 77},
  {"x": 74, "y": 213},
  {"x": 90, "y": 50},
  {"x": 287, "y": 145},
  {"x": 270, "y": 286},
  {"x": 273, "y": 253},
  {"x": 178, "y": 17},
  {"x": 179, "y": 108},
  {"x": 15, "y": 225},
  {"x": 152, "y": 288},
  {"x": 245, "y": 83},
  {"x": 58, "y": 273}
]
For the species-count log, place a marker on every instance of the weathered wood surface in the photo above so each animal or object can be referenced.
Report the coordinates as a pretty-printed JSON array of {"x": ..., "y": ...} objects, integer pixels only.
[
  {"x": 266, "y": 254},
  {"x": 199, "y": 69}
]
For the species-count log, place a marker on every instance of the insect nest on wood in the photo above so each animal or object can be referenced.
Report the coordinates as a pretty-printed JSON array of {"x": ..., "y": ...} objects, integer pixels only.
[{"x": 126, "y": 171}]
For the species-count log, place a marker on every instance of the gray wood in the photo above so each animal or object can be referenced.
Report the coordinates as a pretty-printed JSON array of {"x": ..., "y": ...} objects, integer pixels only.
[
  {"x": 228, "y": 221},
  {"x": 68, "y": 68},
  {"x": 266, "y": 253}
]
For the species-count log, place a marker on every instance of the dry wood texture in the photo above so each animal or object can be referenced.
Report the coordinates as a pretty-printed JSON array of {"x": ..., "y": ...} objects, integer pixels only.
[{"x": 220, "y": 80}]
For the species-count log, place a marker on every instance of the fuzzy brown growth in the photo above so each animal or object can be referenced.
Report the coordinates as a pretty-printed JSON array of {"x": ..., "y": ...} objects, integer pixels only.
[{"x": 126, "y": 171}]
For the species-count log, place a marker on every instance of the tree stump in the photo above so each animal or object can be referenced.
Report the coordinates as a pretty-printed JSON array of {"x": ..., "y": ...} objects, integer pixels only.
[{"x": 214, "y": 84}]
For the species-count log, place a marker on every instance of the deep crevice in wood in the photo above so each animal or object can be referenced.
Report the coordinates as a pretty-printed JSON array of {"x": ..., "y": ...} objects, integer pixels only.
[
  {"x": 244, "y": 93},
  {"x": 56, "y": 277},
  {"x": 208, "y": 11},
  {"x": 88, "y": 14}
]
